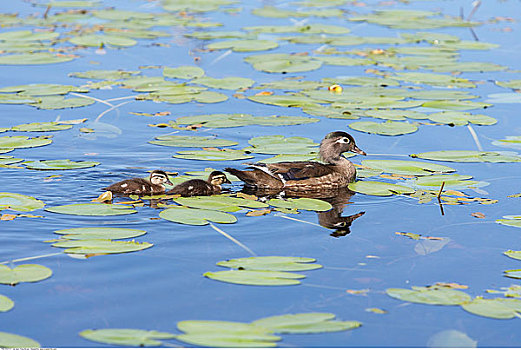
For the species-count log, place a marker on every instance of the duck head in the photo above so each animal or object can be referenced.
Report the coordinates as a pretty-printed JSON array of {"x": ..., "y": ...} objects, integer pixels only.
[
  {"x": 217, "y": 178},
  {"x": 159, "y": 177},
  {"x": 335, "y": 143}
]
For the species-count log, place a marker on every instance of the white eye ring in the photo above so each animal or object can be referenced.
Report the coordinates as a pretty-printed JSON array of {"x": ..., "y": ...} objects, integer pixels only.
[{"x": 343, "y": 140}]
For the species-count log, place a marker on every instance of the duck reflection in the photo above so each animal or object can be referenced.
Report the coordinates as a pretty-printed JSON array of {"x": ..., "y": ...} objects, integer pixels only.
[{"x": 331, "y": 219}]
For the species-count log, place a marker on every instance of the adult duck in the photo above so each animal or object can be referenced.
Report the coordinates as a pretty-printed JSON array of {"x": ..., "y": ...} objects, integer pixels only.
[{"x": 334, "y": 171}]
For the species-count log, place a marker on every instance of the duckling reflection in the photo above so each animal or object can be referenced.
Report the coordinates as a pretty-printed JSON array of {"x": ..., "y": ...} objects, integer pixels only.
[{"x": 332, "y": 219}]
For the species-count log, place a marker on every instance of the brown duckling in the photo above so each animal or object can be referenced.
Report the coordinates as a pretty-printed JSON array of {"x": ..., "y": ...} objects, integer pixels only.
[
  {"x": 335, "y": 171},
  {"x": 152, "y": 185},
  {"x": 197, "y": 187}
]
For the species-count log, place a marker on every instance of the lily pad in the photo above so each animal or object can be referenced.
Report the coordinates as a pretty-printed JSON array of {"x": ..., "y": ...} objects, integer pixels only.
[
  {"x": 43, "y": 89},
  {"x": 271, "y": 263},
  {"x": 183, "y": 72},
  {"x": 499, "y": 308},
  {"x": 92, "y": 209},
  {"x": 442, "y": 296},
  {"x": 42, "y": 127},
  {"x": 10, "y": 340},
  {"x": 228, "y": 83},
  {"x": 406, "y": 167},
  {"x": 301, "y": 203},
  {"x": 256, "y": 277},
  {"x": 393, "y": 114},
  {"x": 235, "y": 120},
  {"x": 23, "y": 273},
  {"x": 389, "y": 128},
  {"x": 514, "y": 221},
  {"x": 23, "y": 141},
  {"x": 6, "y": 304},
  {"x": 191, "y": 141},
  {"x": 462, "y": 118},
  {"x": 190, "y": 216},
  {"x": 126, "y": 337},
  {"x": 376, "y": 188},
  {"x": 220, "y": 203},
  {"x": 217, "y": 155},
  {"x": 99, "y": 233},
  {"x": 273, "y": 144},
  {"x": 97, "y": 40},
  {"x": 7, "y": 160},
  {"x": 35, "y": 58},
  {"x": 19, "y": 202},
  {"x": 244, "y": 45},
  {"x": 60, "y": 102},
  {"x": 60, "y": 164},
  {"x": 283, "y": 63},
  {"x": 102, "y": 74},
  {"x": 469, "y": 156},
  {"x": 456, "y": 105},
  {"x": 450, "y": 181},
  {"x": 312, "y": 322},
  {"x": 513, "y": 273},
  {"x": 514, "y": 254},
  {"x": 509, "y": 141},
  {"x": 100, "y": 246}
]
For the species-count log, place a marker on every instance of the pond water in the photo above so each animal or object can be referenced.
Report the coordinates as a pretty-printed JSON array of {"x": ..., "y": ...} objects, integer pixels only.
[{"x": 155, "y": 288}]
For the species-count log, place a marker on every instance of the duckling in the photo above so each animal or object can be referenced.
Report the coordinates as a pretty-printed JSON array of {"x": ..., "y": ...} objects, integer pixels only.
[
  {"x": 335, "y": 171},
  {"x": 152, "y": 185},
  {"x": 197, "y": 187}
]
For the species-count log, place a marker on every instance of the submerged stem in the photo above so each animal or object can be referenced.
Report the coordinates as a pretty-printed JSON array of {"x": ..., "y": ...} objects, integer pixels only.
[
  {"x": 232, "y": 239},
  {"x": 30, "y": 258}
]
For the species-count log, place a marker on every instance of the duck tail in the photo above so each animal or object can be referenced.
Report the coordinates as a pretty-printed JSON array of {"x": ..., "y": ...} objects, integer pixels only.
[{"x": 256, "y": 177}]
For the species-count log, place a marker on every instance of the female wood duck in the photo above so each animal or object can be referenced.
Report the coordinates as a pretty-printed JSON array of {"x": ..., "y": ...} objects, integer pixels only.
[
  {"x": 335, "y": 171},
  {"x": 152, "y": 185},
  {"x": 197, "y": 187}
]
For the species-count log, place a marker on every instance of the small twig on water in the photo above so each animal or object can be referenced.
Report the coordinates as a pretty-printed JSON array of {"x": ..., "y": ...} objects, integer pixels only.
[
  {"x": 110, "y": 109},
  {"x": 475, "y": 137},
  {"x": 439, "y": 197},
  {"x": 295, "y": 219},
  {"x": 475, "y": 7},
  {"x": 92, "y": 98},
  {"x": 232, "y": 239}
]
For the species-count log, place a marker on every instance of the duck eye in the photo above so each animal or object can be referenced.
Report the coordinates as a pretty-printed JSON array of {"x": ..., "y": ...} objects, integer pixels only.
[{"x": 344, "y": 140}]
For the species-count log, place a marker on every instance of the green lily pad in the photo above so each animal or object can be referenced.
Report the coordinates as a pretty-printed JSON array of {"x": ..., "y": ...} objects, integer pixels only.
[
  {"x": 27, "y": 35},
  {"x": 6, "y": 160},
  {"x": 513, "y": 273},
  {"x": 191, "y": 141},
  {"x": 389, "y": 128},
  {"x": 244, "y": 45},
  {"x": 510, "y": 221},
  {"x": 43, "y": 89},
  {"x": 6, "y": 304},
  {"x": 60, "y": 102},
  {"x": 312, "y": 322},
  {"x": 271, "y": 263},
  {"x": 514, "y": 254},
  {"x": 273, "y": 144},
  {"x": 23, "y": 141},
  {"x": 235, "y": 120},
  {"x": 100, "y": 246},
  {"x": 393, "y": 114},
  {"x": 228, "y": 83},
  {"x": 283, "y": 63},
  {"x": 34, "y": 58},
  {"x": 193, "y": 326},
  {"x": 96, "y": 40},
  {"x": 183, "y": 72},
  {"x": 456, "y": 105},
  {"x": 443, "y": 296},
  {"x": 73, "y": 3},
  {"x": 462, "y": 118},
  {"x": 512, "y": 84},
  {"x": 433, "y": 79},
  {"x": 451, "y": 181},
  {"x": 499, "y": 308},
  {"x": 291, "y": 158},
  {"x": 301, "y": 203},
  {"x": 469, "y": 156},
  {"x": 509, "y": 141},
  {"x": 377, "y": 188},
  {"x": 42, "y": 127},
  {"x": 59, "y": 164},
  {"x": 126, "y": 337},
  {"x": 19, "y": 202},
  {"x": 284, "y": 100},
  {"x": 92, "y": 209},
  {"x": 509, "y": 97},
  {"x": 191, "y": 216},
  {"x": 312, "y": 28},
  {"x": 220, "y": 203},
  {"x": 10, "y": 340},
  {"x": 256, "y": 277},
  {"x": 225, "y": 154},
  {"x": 23, "y": 273},
  {"x": 406, "y": 167},
  {"x": 468, "y": 67},
  {"x": 99, "y": 233},
  {"x": 102, "y": 74}
]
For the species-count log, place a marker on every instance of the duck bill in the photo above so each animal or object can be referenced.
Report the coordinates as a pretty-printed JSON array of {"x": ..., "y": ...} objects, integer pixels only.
[
  {"x": 359, "y": 151},
  {"x": 168, "y": 182}
]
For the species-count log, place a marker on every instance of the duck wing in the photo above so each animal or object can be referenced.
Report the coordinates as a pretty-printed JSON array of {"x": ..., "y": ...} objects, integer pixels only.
[{"x": 299, "y": 170}]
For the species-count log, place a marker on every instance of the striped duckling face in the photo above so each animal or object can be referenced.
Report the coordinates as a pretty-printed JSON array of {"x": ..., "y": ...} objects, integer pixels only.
[
  {"x": 217, "y": 178},
  {"x": 159, "y": 177}
]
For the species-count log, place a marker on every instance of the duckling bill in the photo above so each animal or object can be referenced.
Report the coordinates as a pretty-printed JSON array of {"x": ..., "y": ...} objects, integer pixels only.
[
  {"x": 197, "y": 187},
  {"x": 152, "y": 185},
  {"x": 335, "y": 171}
]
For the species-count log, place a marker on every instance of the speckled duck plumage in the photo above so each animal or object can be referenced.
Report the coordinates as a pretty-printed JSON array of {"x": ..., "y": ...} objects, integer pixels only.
[
  {"x": 152, "y": 185},
  {"x": 197, "y": 187},
  {"x": 335, "y": 171}
]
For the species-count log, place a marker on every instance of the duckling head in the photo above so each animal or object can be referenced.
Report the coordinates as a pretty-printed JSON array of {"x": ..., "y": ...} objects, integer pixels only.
[
  {"x": 159, "y": 177},
  {"x": 217, "y": 178},
  {"x": 335, "y": 143}
]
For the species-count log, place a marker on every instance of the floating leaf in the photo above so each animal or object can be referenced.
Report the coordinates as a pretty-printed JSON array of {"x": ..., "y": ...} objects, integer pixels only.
[
  {"x": 60, "y": 102},
  {"x": 6, "y": 304},
  {"x": 92, "y": 209},
  {"x": 225, "y": 340},
  {"x": 60, "y": 164},
  {"x": 42, "y": 127},
  {"x": 469, "y": 156},
  {"x": 392, "y": 114},
  {"x": 235, "y": 120},
  {"x": 183, "y": 72},
  {"x": 220, "y": 203},
  {"x": 271, "y": 263},
  {"x": 23, "y": 273},
  {"x": 514, "y": 254},
  {"x": 513, "y": 273},
  {"x": 376, "y": 188},
  {"x": 301, "y": 203},
  {"x": 389, "y": 128},
  {"x": 511, "y": 220},
  {"x": 273, "y": 144},
  {"x": 462, "y": 118},
  {"x": 9, "y": 340},
  {"x": 126, "y": 337},
  {"x": 405, "y": 167},
  {"x": 99, "y": 233},
  {"x": 23, "y": 141},
  {"x": 456, "y": 105},
  {"x": 190, "y": 216},
  {"x": 443, "y": 296},
  {"x": 19, "y": 202},
  {"x": 256, "y": 277},
  {"x": 512, "y": 97},
  {"x": 312, "y": 322},
  {"x": 6, "y": 160},
  {"x": 104, "y": 74},
  {"x": 97, "y": 40},
  {"x": 34, "y": 58},
  {"x": 452, "y": 181},
  {"x": 225, "y": 154},
  {"x": 191, "y": 141},
  {"x": 512, "y": 84},
  {"x": 100, "y": 246},
  {"x": 283, "y": 63},
  {"x": 284, "y": 100},
  {"x": 228, "y": 83},
  {"x": 245, "y": 45},
  {"x": 43, "y": 89},
  {"x": 499, "y": 308}
]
